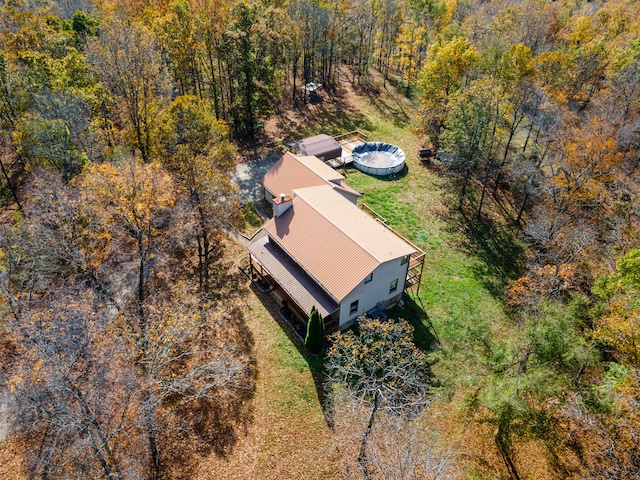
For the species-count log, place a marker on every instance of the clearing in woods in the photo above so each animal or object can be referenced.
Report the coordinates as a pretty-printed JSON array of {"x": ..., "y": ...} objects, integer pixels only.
[{"x": 289, "y": 437}]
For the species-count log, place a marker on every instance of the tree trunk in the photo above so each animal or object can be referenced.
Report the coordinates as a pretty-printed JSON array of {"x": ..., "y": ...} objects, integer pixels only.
[
  {"x": 10, "y": 184},
  {"x": 362, "y": 454},
  {"x": 484, "y": 192},
  {"x": 521, "y": 211},
  {"x": 155, "y": 466}
]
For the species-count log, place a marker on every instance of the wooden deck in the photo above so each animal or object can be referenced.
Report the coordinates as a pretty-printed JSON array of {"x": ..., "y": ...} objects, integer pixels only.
[{"x": 348, "y": 142}]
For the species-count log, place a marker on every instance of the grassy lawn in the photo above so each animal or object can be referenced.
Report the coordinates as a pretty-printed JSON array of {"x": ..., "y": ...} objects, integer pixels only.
[
  {"x": 286, "y": 436},
  {"x": 466, "y": 266}
]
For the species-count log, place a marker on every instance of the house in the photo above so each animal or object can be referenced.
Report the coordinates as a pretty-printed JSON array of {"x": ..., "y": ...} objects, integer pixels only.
[
  {"x": 294, "y": 171},
  {"x": 320, "y": 249}
]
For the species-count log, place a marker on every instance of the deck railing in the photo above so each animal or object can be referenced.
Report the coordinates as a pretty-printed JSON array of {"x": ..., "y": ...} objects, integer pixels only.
[
  {"x": 346, "y": 137},
  {"x": 367, "y": 209}
]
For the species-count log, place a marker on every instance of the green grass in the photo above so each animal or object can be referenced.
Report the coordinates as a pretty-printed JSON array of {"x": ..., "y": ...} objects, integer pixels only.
[
  {"x": 251, "y": 221},
  {"x": 459, "y": 300}
]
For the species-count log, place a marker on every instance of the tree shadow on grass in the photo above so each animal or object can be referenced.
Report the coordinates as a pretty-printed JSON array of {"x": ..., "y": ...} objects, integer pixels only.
[
  {"x": 490, "y": 239},
  {"x": 499, "y": 248},
  {"x": 331, "y": 118},
  {"x": 395, "y": 112},
  {"x": 216, "y": 422},
  {"x": 316, "y": 364},
  {"x": 424, "y": 334}
]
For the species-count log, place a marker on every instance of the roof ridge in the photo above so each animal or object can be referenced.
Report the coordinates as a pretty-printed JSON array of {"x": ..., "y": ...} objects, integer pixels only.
[
  {"x": 299, "y": 159},
  {"x": 290, "y": 255},
  {"x": 365, "y": 249}
]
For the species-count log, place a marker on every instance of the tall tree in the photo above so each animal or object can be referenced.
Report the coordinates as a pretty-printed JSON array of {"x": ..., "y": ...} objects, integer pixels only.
[
  {"x": 202, "y": 159},
  {"x": 127, "y": 60},
  {"x": 447, "y": 68},
  {"x": 314, "y": 340},
  {"x": 140, "y": 200},
  {"x": 73, "y": 395},
  {"x": 381, "y": 368},
  {"x": 253, "y": 63}
]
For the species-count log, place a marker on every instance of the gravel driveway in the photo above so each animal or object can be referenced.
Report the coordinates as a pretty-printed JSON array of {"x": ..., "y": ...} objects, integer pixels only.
[{"x": 248, "y": 176}]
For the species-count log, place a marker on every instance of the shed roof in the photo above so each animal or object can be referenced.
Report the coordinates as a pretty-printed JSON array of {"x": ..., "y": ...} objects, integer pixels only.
[
  {"x": 335, "y": 242},
  {"x": 293, "y": 171},
  {"x": 319, "y": 145}
]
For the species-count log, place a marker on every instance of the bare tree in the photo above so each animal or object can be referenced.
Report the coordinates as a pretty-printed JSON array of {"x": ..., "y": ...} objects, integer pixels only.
[
  {"x": 72, "y": 394},
  {"x": 379, "y": 369}
]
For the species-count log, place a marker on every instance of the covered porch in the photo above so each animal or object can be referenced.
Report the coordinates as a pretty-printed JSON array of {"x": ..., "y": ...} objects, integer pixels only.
[{"x": 289, "y": 285}]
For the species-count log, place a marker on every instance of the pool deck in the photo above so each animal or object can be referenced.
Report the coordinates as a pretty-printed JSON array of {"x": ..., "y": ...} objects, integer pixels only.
[{"x": 348, "y": 142}]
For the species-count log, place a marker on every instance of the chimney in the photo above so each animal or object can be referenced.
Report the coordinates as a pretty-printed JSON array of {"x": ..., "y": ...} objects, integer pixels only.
[{"x": 281, "y": 204}]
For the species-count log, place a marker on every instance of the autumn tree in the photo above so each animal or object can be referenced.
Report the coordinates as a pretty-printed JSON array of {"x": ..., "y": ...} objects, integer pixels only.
[
  {"x": 191, "y": 366},
  {"x": 139, "y": 198},
  {"x": 469, "y": 136},
  {"x": 54, "y": 137},
  {"x": 404, "y": 447},
  {"x": 72, "y": 232},
  {"x": 379, "y": 368},
  {"x": 604, "y": 418},
  {"x": 447, "y": 68},
  {"x": 251, "y": 60},
  {"x": 73, "y": 395},
  {"x": 202, "y": 159},
  {"x": 127, "y": 61}
]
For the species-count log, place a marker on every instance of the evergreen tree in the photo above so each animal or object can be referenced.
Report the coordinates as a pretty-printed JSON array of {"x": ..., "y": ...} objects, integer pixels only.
[{"x": 314, "y": 340}]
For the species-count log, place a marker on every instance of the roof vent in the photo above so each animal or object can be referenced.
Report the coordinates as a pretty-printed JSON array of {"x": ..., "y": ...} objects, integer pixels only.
[{"x": 282, "y": 195}]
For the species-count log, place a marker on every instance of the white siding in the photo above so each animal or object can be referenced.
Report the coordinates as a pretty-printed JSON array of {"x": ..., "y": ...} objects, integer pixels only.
[{"x": 376, "y": 291}]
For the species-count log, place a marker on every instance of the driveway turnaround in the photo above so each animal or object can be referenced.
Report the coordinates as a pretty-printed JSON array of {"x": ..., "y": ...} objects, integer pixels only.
[{"x": 248, "y": 175}]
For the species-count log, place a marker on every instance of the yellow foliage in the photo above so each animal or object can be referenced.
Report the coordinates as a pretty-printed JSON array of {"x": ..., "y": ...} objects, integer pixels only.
[{"x": 620, "y": 327}]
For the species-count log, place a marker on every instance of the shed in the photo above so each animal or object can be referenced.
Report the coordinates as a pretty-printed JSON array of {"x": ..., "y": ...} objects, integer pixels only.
[{"x": 322, "y": 146}]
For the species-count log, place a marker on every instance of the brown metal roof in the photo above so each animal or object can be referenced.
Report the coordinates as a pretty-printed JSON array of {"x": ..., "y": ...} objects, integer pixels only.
[
  {"x": 293, "y": 171},
  {"x": 333, "y": 240},
  {"x": 291, "y": 277},
  {"x": 373, "y": 236}
]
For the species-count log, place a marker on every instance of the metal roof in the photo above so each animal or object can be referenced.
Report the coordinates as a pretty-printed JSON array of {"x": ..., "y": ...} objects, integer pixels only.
[
  {"x": 291, "y": 277},
  {"x": 293, "y": 171},
  {"x": 375, "y": 237},
  {"x": 335, "y": 242}
]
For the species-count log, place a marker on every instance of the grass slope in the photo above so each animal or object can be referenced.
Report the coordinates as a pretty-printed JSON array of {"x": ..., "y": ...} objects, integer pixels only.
[{"x": 466, "y": 266}]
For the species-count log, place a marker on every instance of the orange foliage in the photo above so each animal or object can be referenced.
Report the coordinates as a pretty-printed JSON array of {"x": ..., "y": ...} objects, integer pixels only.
[{"x": 541, "y": 284}]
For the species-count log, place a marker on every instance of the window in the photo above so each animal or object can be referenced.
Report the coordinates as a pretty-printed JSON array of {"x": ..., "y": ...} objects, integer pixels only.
[
  {"x": 354, "y": 308},
  {"x": 369, "y": 278},
  {"x": 394, "y": 286},
  {"x": 405, "y": 259}
]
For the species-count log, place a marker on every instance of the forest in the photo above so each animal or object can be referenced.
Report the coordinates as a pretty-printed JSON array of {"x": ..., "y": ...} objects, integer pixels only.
[{"x": 132, "y": 348}]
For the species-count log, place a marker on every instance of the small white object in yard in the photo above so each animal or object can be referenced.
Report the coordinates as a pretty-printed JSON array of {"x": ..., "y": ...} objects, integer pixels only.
[{"x": 311, "y": 86}]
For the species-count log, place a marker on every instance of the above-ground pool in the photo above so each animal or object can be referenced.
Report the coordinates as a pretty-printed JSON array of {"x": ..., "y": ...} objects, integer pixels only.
[{"x": 378, "y": 158}]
